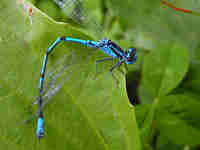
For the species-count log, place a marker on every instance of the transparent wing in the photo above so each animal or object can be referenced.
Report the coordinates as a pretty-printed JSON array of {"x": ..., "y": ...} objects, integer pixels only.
[{"x": 55, "y": 79}]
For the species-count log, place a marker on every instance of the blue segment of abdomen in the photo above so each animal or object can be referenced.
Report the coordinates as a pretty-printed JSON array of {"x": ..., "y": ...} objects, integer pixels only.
[
  {"x": 84, "y": 42},
  {"x": 40, "y": 127},
  {"x": 108, "y": 51}
]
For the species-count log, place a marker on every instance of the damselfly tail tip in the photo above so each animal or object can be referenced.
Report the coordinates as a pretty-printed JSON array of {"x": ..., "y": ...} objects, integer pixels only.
[
  {"x": 40, "y": 128},
  {"x": 40, "y": 136}
]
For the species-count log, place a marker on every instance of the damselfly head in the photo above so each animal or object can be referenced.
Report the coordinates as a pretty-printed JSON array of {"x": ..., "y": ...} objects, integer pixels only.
[{"x": 131, "y": 56}]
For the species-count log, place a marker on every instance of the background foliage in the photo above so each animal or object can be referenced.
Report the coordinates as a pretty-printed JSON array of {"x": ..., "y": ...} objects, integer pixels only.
[{"x": 89, "y": 112}]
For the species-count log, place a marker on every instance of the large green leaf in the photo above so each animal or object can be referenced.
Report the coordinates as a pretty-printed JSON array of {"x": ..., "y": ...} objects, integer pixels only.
[
  {"x": 86, "y": 113},
  {"x": 164, "y": 68}
]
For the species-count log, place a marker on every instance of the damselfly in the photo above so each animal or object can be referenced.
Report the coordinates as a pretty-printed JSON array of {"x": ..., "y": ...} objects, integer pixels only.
[
  {"x": 56, "y": 77},
  {"x": 107, "y": 46}
]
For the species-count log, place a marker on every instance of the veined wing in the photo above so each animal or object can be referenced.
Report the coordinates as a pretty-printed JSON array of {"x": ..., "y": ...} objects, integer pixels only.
[{"x": 56, "y": 78}]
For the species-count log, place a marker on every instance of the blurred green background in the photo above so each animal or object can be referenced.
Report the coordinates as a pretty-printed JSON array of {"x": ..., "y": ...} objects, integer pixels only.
[{"x": 156, "y": 105}]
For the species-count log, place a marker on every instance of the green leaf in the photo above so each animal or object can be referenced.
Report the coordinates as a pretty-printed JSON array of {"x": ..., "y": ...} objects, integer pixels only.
[
  {"x": 157, "y": 21},
  {"x": 178, "y": 119},
  {"x": 192, "y": 81},
  {"x": 163, "y": 143},
  {"x": 49, "y": 7},
  {"x": 122, "y": 10},
  {"x": 141, "y": 113},
  {"x": 131, "y": 13},
  {"x": 146, "y": 119},
  {"x": 164, "y": 68},
  {"x": 86, "y": 113}
]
